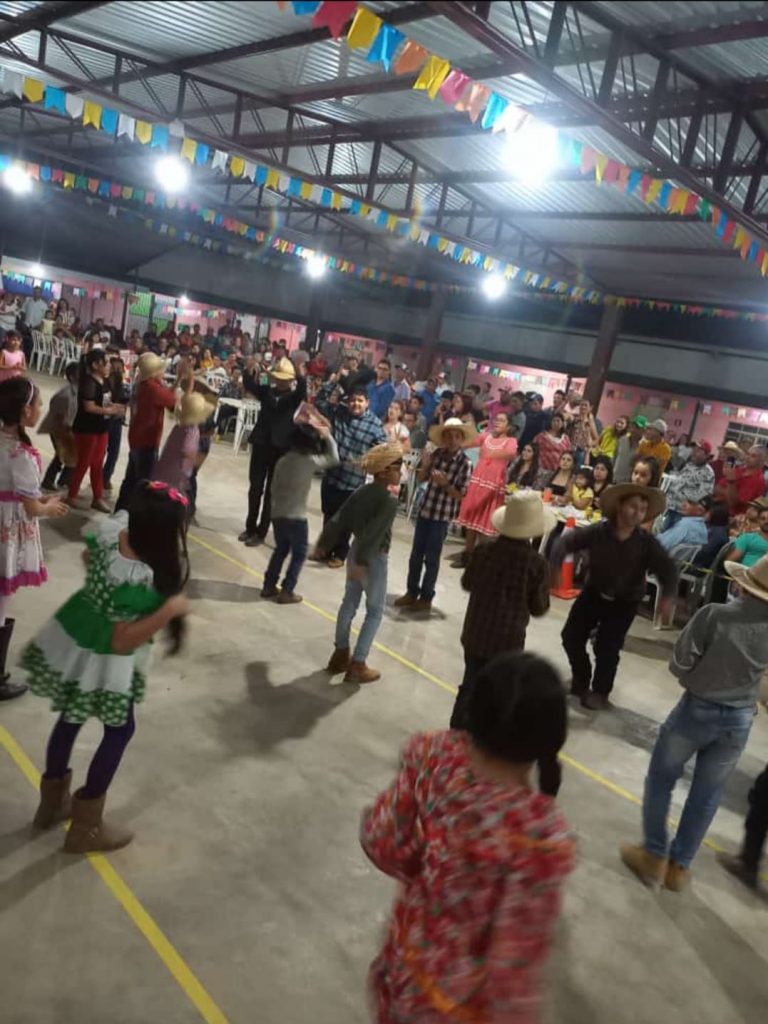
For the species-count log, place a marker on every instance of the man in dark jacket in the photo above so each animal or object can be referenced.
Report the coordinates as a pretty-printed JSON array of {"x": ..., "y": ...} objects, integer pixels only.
[{"x": 280, "y": 394}]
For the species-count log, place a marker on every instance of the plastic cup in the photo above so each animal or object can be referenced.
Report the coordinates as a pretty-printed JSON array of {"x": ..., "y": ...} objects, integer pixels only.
[{"x": 546, "y": 495}]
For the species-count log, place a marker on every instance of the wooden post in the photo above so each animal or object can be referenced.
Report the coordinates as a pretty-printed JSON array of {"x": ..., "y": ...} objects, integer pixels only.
[
  {"x": 431, "y": 335},
  {"x": 601, "y": 357}
]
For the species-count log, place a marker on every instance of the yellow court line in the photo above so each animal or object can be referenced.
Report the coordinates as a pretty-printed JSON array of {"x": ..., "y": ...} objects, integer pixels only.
[
  {"x": 162, "y": 946},
  {"x": 565, "y": 758}
]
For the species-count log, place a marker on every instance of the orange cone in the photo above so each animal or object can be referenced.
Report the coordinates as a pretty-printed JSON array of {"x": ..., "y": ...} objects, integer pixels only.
[{"x": 566, "y": 590}]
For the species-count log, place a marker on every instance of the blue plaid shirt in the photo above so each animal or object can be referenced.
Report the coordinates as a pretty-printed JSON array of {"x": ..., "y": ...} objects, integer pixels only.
[{"x": 354, "y": 436}]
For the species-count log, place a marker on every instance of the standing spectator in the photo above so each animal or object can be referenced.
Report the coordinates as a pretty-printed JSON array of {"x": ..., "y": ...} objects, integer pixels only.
[
  {"x": 516, "y": 416},
  {"x": 34, "y": 309},
  {"x": 694, "y": 482},
  {"x": 318, "y": 366},
  {"x": 58, "y": 421},
  {"x": 742, "y": 484},
  {"x": 719, "y": 659},
  {"x": 584, "y": 436},
  {"x": 626, "y": 449},
  {"x": 682, "y": 451},
  {"x": 536, "y": 420},
  {"x": 150, "y": 337},
  {"x": 448, "y": 471},
  {"x": 551, "y": 444},
  {"x": 558, "y": 403},
  {"x": 402, "y": 387},
  {"x": 728, "y": 454},
  {"x": 416, "y": 434},
  {"x": 653, "y": 443},
  {"x": 610, "y": 437},
  {"x": 90, "y": 428},
  {"x": 482, "y": 399},
  {"x": 488, "y": 484},
  {"x": 280, "y": 394},
  {"x": 429, "y": 399},
  {"x": 9, "y": 310},
  {"x": 118, "y": 394},
  {"x": 415, "y": 407},
  {"x": 381, "y": 391},
  {"x": 12, "y": 360},
  {"x": 356, "y": 430},
  {"x": 149, "y": 401}
]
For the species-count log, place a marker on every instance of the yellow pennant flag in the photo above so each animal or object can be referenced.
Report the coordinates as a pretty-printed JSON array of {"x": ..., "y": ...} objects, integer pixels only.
[
  {"x": 188, "y": 150},
  {"x": 653, "y": 191},
  {"x": 364, "y": 29},
  {"x": 432, "y": 75},
  {"x": 273, "y": 179},
  {"x": 143, "y": 131},
  {"x": 391, "y": 222},
  {"x": 335, "y": 201},
  {"x": 764, "y": 264},
  {"x": 601, "y": 162},
  {"x": 127, "y": 192},
  {"x": 364, "y": 209},
  {"x": 442, "y": 244},
  {"x": 92, "y": 114},
  {"x": 237, "y": 166},
  {"x": 33, "y": 90},
  {"x": 306, "y": 190},
  {"x": 69, "y": 180}
]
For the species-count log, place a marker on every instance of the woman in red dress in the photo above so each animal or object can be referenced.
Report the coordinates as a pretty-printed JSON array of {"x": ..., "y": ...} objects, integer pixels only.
[
  {"x": 488, "y": 485},
  {"x": 480, "y": 856}
]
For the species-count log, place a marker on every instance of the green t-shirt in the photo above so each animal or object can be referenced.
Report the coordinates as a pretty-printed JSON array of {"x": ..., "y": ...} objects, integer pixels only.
[{"x": 754, "y": 546}]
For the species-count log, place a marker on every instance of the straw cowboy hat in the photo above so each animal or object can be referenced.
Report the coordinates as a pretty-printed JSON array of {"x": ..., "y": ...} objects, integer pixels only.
[
  {"x": 753, "y": 580},
  {"x": 149, "y": 365},
  {"x": 611, "y": 497},
  {"x": 469, "y": 430},
  {"x": 523, "y": 516},
  {"x": 283, "y": 370},
  {"x": 730, "y": 446},
  {"x": 380, "y": 456},
  {"x": 193, "y": 410}
]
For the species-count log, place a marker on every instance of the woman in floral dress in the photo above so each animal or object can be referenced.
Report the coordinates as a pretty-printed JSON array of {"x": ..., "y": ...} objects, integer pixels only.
[
  {"x": 480, "y": 856},
  {"x": 487, "y": 488}
]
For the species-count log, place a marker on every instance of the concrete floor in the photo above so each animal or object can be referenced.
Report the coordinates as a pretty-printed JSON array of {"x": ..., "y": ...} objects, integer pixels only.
[{"x": 245, "y": 782}]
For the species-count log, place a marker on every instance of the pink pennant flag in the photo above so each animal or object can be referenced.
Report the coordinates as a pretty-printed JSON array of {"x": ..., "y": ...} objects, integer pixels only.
[
  {"x": 453, "y": 87},
  {"x": 611, "y": 172},
  {"x": 588, "y": 159},
  {"x": 474, "y": 101}
]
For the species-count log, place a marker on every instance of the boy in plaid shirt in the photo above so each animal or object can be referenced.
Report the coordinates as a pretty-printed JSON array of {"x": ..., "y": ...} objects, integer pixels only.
[{"x": 448, "y": 470}]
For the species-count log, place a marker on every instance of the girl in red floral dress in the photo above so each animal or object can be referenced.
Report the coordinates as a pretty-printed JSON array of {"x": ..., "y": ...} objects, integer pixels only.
[{"x": 481, "y": 857}]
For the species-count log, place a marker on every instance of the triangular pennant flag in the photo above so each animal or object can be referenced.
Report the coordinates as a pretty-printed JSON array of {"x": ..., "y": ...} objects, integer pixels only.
[
  {"x": 92, "y": 114},
  {"x": 55, "y": 99},
  {"x": 385, "y": 45},
  {"x": 601, "y": 162},
  {"x": 495, "y": 108},
  {"x": 13, "y": 84},
  {"x": 58, "y": 175},
  {"x": 334, "y": 15},
  {"x": 109, "y": 120},
  {"x": 176, "y": 129},
  {"x": 453, "y": 87},
  {"x": 411, "y": 59},
  {"x": 305, "y": 6},
  {"x": 473, "y": 101},
  {"x": 33, "y": 90},
  {"x": 202, "y": 152},
  {"x": 653, "y": 190},
  {"x": 237, "y": 166},
  {"x": 159, "y": 136},
  {"x": 126, "y": 125},
  {"x": 364, "y": 29},
  {"x": 273, "y": 179},
  {"x": 432, "y": 75},
  {"x": 69, "y": 179},
  {"x": 306, "y": 190},
  {"x": 189, "y": 150},
  {"x": 143, "y": 132}
]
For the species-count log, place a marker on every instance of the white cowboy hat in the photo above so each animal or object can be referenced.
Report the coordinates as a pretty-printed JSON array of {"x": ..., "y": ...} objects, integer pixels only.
[
  {"x": 469, "y": 430},
  {"x": 612, "y": 495},
  {"x": 523, "y": 516},
  {"x": 659, "y": 425},
  {"x": 283, "y": 370},
  {"x": 149, "y": 365},
  {"x": 754, "y": 580},
  {"x": 193, "y": 410}
]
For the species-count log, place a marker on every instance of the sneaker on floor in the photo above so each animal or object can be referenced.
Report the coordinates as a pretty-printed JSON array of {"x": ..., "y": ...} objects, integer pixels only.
[
  {"x": 594, "y": 701},
  {"x": 358, "y": 672},
  {"x": 422, "y": 606},
  {"x": 253, "y": 540},
  {"x": 269, "y": 592},
  {"x": 289, "y": 597},
  {"x": 243, "y": 537},
  {"x": 101, "y": 506},
  {"x": 335, "y": 563},
  {"x": 8, "y": 691},
  {"x": 651, "y": 870},
  {"x": 677, "y": 878},
  {"x": 735, "y": 866},
  {"x": 406, "y": 601}
]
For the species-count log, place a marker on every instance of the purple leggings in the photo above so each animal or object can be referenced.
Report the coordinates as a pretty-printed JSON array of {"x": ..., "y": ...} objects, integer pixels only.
[{"x": 104, "y": 762}]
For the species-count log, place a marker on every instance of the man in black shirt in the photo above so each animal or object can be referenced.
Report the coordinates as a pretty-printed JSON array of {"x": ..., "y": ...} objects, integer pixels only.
[
  {"x": 620, "y": 555},
  {"x": 280, "y": 395}
]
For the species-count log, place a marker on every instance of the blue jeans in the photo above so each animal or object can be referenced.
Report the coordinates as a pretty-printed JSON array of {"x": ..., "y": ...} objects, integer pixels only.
[
  {"x": 428, "y": 539},
  {"x": 374, "y": 585},
  {"x": 291, "y": 536},
  {"x": 115, "y": 436},
  {"x": 671, "y": 517},
  {"x": 716, "y": 734}
]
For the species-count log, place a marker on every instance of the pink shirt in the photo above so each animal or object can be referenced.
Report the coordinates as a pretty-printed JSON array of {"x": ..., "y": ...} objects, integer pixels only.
[{"x": 13, "y": 364}]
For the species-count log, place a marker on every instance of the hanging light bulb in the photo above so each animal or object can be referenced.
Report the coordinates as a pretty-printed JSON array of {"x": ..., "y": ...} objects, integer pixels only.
[
  {"x": 316, "y": 267},
  {"x": 17, "y": 180},
  {"x": 172, "y": 174},
  {"x": 494, "y": 286},
  {"x": 531, "y": 152},
  {"x": 37, "y": 270}
]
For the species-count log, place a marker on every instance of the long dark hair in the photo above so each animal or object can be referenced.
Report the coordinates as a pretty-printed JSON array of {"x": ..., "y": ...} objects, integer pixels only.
[
  {"x": 527, "y": 478},
  {"x": 602, "y": 460},
  {"x": 15, "y": 395},
  {"x": 653, "y": 465},
  {"x": 157, "y": 532},
  {"x": 89, "y": 360}
]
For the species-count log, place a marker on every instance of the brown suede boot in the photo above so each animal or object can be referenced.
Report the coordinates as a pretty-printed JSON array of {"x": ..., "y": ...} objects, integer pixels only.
[
  {"x": 649, "y": 869},
  {"x": 406, "y": 601},
  {"x": 88, "y": 833},
  {"x": 339, "y": 661},
  {"x": 677, "y": 878},
  {"x": 358, "y": 672},
  {"x": 55, "y": 802}
]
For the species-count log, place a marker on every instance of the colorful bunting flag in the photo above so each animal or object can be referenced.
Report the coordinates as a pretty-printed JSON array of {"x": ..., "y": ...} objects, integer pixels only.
[
  {"x": 432, "y": 75},
  {"x": 474, "y": 100},
  {"x": 364, "y": 29},
  {"x": 494, "y": 109},
  {"x": 91, "y": 114},
  {"x": 143, "y": 132},
  {"x": 109, "y": 120},
  {"x": 55, "y": 99},
  {"x": 385, "y": 46},
  {"x": 411, "y": 58},
  {"x": 334, "y": 15},
  {"x": 33, "y": 90},
  {"x": 454, "y": 87}
]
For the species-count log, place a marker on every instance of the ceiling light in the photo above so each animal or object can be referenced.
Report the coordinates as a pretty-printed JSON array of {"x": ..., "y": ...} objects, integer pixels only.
[
  {"x": 494, "y": 286},
  {"x": 531, "y": 152},
  {"x": 37, "y": 270},
  {"x": 183, "y": 300},
  {"x": 17, "y": 180},
  {"x": 315, "y": 266},
  {"x": 172, "y": 174}
]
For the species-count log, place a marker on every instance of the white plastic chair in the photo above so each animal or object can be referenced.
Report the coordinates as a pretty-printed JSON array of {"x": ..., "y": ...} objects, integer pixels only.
[
  {"x": 58, "y": 356},
  {"x": 246, "y": 421},
  {"x": 41, "y": 349},
  {"x": 411, "y": 463}
]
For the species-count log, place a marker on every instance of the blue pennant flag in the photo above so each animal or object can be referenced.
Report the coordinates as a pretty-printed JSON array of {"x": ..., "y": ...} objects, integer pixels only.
[
  {"x": 385, "y": 45},
  {"x": 55, "y": 99},
  {"x": 109, "y": 121}
]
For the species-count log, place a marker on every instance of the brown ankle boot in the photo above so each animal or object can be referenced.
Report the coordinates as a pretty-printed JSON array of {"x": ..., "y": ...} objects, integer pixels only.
[
  {"x": 88, "y": 833},
  {"x": 339, "y": 661},
  {"x": 55, "y": 802},
  {"x": 358, "y": 672}
]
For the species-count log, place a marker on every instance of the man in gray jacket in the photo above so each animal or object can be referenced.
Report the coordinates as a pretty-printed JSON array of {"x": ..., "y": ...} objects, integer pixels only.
[
  {"x": 719, "y": 659},
  {"x": 58, "y": 424}
]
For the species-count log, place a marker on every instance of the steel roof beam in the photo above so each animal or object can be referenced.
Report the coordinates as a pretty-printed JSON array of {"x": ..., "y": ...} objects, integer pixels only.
[{"x": 40, "y": 17}]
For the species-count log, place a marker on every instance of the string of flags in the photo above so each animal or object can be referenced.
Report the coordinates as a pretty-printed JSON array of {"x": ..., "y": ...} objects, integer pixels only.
[{"x": 388, "y": 46}]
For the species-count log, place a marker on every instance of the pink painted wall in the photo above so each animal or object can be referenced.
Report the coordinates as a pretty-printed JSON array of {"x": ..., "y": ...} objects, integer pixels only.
[
  {"x": 519, "y": 378},
  {"x": 293, "y": 334}
]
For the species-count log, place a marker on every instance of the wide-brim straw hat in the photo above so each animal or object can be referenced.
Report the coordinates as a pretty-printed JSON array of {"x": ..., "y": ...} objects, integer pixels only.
[
  {"x": 731, "y": 446},
  {"x": 193, "y": 410},
  {"x": 380, "y": 456},
  {"x": 149, "y": 365},
  {"x": 761, "y": 504},
  {"x": 469, "y": 430},
  {"x": 283, "y": 370},
  {"x": 523, "y": 516},
  {"x": 611, "y": 497},
  {"x": 754, "y": 580}
]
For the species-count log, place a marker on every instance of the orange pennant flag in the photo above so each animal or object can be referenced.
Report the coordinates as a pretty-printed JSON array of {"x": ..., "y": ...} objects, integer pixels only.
[
  {"x": 411, "y": 59},
  {"x": 474, "y": 101}
]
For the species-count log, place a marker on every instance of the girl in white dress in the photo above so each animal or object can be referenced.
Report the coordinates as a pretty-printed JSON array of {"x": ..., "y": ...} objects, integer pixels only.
[{"x": 21, "y": 505}]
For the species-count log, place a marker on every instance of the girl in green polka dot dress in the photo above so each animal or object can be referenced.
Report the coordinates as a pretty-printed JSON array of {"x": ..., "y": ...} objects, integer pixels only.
[{"x": 92, "y": 658}]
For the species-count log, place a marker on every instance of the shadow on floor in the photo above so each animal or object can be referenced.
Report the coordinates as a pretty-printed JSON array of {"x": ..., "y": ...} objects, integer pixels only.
[
  {"x": 271, "y": 714},
  {"x": 656, "y": 649},
  {"x": 68, "y": 529},
  {"x": 13, "y": 890},
  {"x": 217, "y": 590}
]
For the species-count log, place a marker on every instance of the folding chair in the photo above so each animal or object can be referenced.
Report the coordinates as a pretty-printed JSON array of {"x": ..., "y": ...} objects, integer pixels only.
[{"x": 246, "y": 421}]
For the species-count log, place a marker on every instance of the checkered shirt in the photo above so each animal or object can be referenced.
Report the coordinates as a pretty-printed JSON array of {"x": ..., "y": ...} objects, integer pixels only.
[
  {"x": 437, "y": 503},
  {"x": 354, "y": 436}
]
